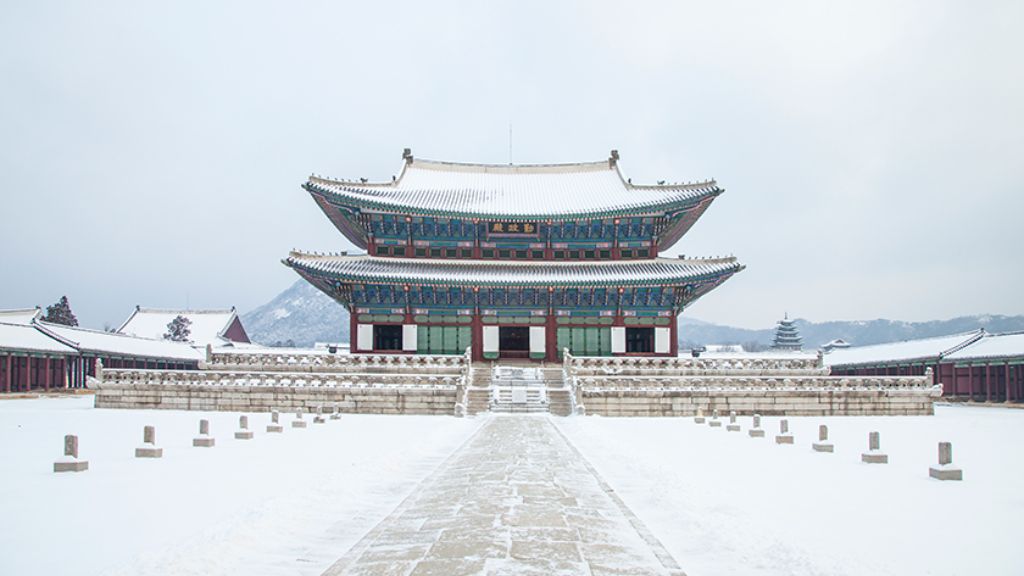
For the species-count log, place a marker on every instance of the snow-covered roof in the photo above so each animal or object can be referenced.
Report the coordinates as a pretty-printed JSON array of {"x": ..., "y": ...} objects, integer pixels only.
[
  {"x": 905, "y": 351},
  {"x": 369, "y": 269},
  {"x": 208, "y": 326},
  {"x": 20, "y": 315},
  {"x": 112, "y": 343},
  {"x": 992, "y": 346},
  {"x": 587, "y": 189},
  {"x": 27, "y": 338}
]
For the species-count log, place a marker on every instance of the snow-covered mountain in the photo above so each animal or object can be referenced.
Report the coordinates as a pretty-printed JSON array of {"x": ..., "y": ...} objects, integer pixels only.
[
  {"x": 301, "y": 314},
  {"x": 306, "y": 315}
]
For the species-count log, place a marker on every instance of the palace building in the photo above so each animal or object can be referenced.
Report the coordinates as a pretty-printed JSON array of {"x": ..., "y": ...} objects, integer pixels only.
[{"x": 512, "y": 261}]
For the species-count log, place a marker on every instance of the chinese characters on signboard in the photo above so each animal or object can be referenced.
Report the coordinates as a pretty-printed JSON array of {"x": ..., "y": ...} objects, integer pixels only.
[{"x": 512, "y": 228}]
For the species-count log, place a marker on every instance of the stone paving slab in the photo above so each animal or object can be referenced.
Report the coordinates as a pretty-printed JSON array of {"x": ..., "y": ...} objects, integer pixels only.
[{"x": 516, "y": 499}]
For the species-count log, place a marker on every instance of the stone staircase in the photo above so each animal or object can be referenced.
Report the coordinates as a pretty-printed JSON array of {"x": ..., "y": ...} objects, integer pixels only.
[
  {"x": 532, "y": 389},
  {"x": 519, "y": 399},
  {"x": 479, "y": 393}
]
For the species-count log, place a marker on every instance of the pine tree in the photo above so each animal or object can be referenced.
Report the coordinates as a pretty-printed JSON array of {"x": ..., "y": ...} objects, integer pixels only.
[
  {"x": 178, "y": 330},
  {"x": 60, "y": 313}
]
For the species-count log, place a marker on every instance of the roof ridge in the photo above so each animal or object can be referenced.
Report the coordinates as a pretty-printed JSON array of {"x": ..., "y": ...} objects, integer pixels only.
[
  {"x": 964, "y": 334},
  {"x": 187, "y": 310},
  {"x": 45, "y": 324},
  {"x": 18, "y": 310},
  {"x": 295, "y": 253}
]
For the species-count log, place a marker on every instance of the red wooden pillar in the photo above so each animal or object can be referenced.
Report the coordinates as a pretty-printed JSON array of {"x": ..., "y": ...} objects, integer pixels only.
[
  {"x": 970, "y": 382},
  {"x": 476, "y": 336},
  {"x": 7, "y": 374},
  {"x": 673, "y": 345},
  {"x": 46, "y": 374},
  {"x": 988, "y": 382},
  {"x": 955, "y": 381},
  {"x": 1006, "y": 380},
  {"x": 28, "y": 373},
  {"x": 353, "y": 332},
  {"x": 551, "y": 338}
]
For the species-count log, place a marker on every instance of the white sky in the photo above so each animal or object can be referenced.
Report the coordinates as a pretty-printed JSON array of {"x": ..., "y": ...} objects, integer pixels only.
[{"x": 872, "y": 152}]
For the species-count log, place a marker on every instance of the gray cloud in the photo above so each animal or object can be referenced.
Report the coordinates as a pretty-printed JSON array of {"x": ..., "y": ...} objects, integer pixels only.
[{"x": 871, "y": 151}]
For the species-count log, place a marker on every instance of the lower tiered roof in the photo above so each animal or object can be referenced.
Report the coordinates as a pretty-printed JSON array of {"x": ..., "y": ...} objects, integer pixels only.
[{"x": 657, "y": 271}]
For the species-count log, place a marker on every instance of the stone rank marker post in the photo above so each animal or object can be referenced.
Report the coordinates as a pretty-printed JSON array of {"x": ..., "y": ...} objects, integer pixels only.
[
  {"x": 70, "y": 462},
  {"x": 319, "y": 418},
  {"x": 784, "y": 437},
  {"x": 275, "y": 423},
  {"x": 243, "y": 432},
  {"x": 148, "y": 448},
  {"x": 204, "y": 440},
  {"x": 874, "y": 455},
  {"x": 298, "y": 422},
  {"x": 945, "y": 470},
  {"x": 756, "y": 431},
  {"x": 823, "y": 445},
  {"x": 733, "y": 426},
  {"x": 699, "y": 418},
  {"x": 714, "y": 422},
  {"x": 335, "y": 413}
]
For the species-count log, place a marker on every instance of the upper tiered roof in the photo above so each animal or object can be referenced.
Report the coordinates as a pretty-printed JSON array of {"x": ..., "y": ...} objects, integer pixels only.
[
  {"x": 657, "y": 271},
  {"x": 513, "y": 191}
]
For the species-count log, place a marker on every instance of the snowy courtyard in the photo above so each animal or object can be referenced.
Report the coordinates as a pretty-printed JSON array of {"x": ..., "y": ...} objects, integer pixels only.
[{"x": 719, "y": 502}]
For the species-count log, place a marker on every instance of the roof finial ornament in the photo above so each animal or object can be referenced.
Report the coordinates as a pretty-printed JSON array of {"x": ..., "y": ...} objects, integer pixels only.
[
  {"x": 613, "y": 159},
  {"x": 407, "y": 155}
]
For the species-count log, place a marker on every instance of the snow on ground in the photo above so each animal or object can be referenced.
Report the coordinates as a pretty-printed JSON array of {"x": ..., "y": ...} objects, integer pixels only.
[
  {"x": 291, "y": 503},
  {"x": 724, "y": 503}
]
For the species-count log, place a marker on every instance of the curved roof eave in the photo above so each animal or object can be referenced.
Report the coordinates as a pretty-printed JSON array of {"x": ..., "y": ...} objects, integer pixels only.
[
  {"x": 444, "y": 273},
  {"x": 354, "y": 201}
]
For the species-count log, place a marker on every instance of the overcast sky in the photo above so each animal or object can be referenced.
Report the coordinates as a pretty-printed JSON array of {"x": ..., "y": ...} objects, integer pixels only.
[{"x": 872, "y": 152}]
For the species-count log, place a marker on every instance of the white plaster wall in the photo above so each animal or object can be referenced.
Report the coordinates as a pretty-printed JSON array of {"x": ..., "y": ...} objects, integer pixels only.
[
  {"x": 490, "y": 339},
  {"x": 538, "y": 340},
  {"x": 409, "y": 337},
  {"x": 661, "y": 338},
  {"x": 618, "y": 339},
  {"x": 364, "y": 337}
]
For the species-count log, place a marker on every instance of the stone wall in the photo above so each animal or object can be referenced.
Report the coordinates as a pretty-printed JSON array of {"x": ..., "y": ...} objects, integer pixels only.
[
  {"x": 776, "y": 402},
  {"x": 436, "y": 400}
]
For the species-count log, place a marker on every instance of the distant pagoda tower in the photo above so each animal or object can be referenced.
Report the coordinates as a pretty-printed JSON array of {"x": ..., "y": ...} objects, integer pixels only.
[{"x": 787, "y": 336}]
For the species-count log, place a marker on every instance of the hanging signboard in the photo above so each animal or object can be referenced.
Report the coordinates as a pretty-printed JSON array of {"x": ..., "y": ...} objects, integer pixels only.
[{"x": 513, "y": 228}]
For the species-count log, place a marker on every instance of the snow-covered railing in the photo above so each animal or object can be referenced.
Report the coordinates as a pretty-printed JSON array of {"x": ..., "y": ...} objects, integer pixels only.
[
  {"x": 724, "y": 366},
  {"x": 289, "y": 379},
  {"x": 758, "y": 383},
  {"x": 462, "y": 390},
  {"x": 322, "y": 361}
]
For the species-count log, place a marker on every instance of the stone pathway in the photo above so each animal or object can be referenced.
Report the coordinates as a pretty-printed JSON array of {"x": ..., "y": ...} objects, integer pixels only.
[{"x": 516, "y": 499}]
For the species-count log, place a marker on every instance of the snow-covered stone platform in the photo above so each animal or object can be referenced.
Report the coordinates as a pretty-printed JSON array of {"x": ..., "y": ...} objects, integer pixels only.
[{"x": 795, "y": 386}]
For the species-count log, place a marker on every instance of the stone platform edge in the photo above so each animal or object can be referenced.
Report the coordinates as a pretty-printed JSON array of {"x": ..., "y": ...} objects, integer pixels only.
[
  {"x": 681, "y": 403},
  {"x": 239, "y": 398}
]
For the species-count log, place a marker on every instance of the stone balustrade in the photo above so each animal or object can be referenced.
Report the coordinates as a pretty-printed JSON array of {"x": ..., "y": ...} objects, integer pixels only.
[
  {"x": 716, "y": 381},
  {"x": 688, "y": 366},
  {"x": 258, "y": 379},
  {"x": 322, "y": 361}
]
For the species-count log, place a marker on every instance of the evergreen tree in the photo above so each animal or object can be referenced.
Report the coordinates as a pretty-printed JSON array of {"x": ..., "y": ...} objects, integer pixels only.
[
  {"x": 178, "y": 330},
  {"x": 60, "y": 313}
]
